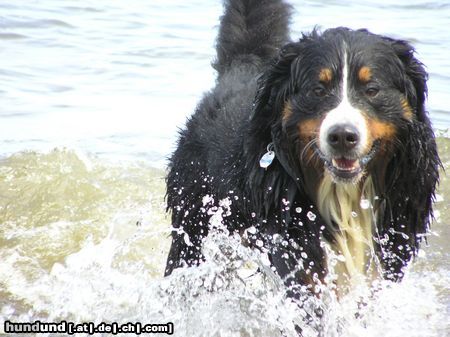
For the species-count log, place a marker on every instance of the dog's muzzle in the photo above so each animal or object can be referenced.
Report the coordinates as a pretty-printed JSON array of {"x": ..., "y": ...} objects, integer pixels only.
[{"x": 342, "y": 157}]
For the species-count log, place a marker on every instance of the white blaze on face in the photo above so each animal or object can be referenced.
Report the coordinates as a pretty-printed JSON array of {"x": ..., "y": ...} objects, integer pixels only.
[{"x": 344, "y": 113}]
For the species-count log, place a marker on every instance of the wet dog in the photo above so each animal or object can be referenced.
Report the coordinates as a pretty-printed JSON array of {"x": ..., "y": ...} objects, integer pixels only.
[{"x": 321, "y": 142}]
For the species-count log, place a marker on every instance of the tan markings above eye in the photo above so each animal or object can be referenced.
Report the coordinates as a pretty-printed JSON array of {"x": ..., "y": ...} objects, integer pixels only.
[
  {"x": 365, "y": 74},
  {"x": 325, "y": 75}
]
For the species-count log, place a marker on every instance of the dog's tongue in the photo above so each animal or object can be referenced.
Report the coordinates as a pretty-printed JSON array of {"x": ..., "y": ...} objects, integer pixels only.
[{"x": 346, "y": 164}]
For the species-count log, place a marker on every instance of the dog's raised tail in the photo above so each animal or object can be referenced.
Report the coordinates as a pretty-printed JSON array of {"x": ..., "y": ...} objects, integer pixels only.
[{"x": 251, "y": 29}]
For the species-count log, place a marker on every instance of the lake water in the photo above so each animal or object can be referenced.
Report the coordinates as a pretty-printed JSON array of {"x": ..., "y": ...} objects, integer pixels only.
[{"x": 92, "y": 94}]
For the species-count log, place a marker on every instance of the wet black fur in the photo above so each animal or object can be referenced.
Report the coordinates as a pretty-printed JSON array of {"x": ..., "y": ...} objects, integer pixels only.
[{"x": 219, "y": 150}]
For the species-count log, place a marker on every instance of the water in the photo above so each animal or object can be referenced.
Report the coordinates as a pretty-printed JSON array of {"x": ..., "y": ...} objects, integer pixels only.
[{"x": 92, "y": 95}]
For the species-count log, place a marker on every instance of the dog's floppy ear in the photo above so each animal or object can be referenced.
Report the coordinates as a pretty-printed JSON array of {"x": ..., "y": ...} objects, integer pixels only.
[
  {"x": 412, "y": 174},
  {"x": 415, "y": 78},
  {"x": 274, "y": 84}
]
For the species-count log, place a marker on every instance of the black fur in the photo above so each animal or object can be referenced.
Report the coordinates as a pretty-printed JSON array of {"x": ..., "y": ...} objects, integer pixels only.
[
  {"x": 218, "y": 152},
  {"x": 412, "y": 175}
]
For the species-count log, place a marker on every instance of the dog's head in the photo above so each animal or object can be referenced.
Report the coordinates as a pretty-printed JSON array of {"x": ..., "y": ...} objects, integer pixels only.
[
  {"x": 349, "y": 104},
  {"x": 344, "y": 99}
]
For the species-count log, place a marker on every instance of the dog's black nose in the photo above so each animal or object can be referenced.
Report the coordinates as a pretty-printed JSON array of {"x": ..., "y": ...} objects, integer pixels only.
[{"x": 343, "y": 137}]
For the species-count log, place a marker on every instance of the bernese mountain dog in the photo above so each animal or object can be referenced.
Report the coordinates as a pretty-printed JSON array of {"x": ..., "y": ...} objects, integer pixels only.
[{"x": 323, "y": 146}]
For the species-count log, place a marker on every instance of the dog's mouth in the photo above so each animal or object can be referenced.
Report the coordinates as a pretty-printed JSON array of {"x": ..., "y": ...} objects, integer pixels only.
[{"x": 345, "y": 168}]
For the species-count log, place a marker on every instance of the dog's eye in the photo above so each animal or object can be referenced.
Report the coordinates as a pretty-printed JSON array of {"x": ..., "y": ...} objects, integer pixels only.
[
  {"x": 372, "y": 92},
  {"x": 319, "y": 92}
]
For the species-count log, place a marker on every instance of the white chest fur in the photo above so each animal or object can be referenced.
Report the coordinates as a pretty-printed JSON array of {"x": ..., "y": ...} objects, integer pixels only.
[{"x": 350, "y": 208}]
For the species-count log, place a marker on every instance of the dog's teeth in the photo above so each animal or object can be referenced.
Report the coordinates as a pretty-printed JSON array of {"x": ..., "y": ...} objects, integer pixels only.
[{"x": 344, "y": 164}]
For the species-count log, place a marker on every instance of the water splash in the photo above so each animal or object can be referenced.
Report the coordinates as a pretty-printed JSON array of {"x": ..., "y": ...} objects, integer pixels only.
[{"x": 99, "y": 256}]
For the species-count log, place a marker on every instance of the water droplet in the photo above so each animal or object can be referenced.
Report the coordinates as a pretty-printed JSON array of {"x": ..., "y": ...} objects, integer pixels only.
[
  {"x": 219, "y": 283},
  {"x": 311, "y": 216},
  {"x": 259, "y": 243},
  {"x": 276, "y": 238},
  {"x": 298, "y": 209},
  {"x": 364, "y": 203},
  {"x": 187, "y": 240},
  {"x": 340, "y": 258},
  {"x": 251, "y": 230},
  {"x": 354, "y": 214},
  {"x": 207, "y": 199}
]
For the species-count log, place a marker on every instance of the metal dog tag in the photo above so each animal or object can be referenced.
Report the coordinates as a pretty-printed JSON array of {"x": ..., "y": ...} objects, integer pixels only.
[{"x": 267, "y": 157}]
